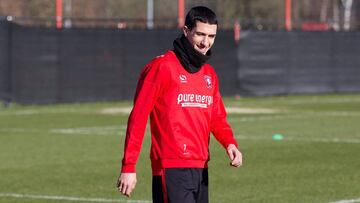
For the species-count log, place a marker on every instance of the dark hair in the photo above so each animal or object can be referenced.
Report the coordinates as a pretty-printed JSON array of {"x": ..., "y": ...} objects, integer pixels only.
[{"x": 202, "y": 14}]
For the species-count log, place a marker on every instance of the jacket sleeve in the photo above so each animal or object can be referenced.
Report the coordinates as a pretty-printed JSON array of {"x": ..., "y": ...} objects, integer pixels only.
[
  {"x": 219, "y": 125},
  {"x": 147, "y": 91}
]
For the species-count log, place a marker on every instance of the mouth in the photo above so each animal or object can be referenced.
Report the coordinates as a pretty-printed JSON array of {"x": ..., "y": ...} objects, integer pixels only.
[{"x": 202, "y": 49}]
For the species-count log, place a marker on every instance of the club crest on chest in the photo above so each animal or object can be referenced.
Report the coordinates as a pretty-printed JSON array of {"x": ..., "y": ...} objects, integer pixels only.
[{"x": 208, "y": 81}]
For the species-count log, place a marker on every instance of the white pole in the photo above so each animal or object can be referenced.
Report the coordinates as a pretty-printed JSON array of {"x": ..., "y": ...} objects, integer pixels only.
[
  {"x": 150, "y": 14},
  {"x": 336, "y": 16},
  {"x": 68, "y": 15},
  {"x": 347, "y": 14}
]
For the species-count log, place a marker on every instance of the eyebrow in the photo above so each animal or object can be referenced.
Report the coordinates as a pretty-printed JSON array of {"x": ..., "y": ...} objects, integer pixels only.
[{"x": 201, "y": 33}]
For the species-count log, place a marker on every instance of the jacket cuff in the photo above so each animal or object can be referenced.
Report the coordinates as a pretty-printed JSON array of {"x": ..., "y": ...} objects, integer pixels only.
[
  {"x": 230, "y": 141},
  {"x": 234, "y": 143},
  {"x": 128, "y": 169}
]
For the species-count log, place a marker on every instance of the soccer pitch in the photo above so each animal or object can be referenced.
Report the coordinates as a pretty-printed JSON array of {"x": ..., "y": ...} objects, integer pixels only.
[{"x": 72, "y": 152}]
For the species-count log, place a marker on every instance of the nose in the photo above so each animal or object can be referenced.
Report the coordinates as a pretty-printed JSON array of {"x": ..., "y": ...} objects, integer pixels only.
[{"x": 205, "y": 41}]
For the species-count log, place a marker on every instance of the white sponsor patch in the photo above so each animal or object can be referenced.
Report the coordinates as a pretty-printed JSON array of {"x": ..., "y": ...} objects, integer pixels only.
[
  {"x": 194, "y": 100},
  {"x": 194, "y": 105}
]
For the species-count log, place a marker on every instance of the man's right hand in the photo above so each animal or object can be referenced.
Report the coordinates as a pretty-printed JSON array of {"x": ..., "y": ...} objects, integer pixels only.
[
  {"x": 126, "y": 183},
  {"x": 234, "y": 155}
]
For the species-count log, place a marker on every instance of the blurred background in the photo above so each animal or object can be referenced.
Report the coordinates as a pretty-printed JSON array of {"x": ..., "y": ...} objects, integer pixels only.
[
  {"x": 289, "y": 72},
  {"x": 54, "y": 51},
  {"x": 252, "y": 14}
]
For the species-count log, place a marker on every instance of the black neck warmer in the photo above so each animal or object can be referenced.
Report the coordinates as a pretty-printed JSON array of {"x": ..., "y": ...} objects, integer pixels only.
[{"x": 191, "y": 59}]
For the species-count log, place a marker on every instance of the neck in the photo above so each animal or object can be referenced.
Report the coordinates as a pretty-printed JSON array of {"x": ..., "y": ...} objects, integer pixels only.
[{"x": 191, "y": 59}]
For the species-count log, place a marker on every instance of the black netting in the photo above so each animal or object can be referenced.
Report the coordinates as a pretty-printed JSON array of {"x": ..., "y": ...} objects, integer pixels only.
[
  {"x": 42, "y": 65},
  {"x": 299, "y": 62},
  {"x": 4, "y": 60}
]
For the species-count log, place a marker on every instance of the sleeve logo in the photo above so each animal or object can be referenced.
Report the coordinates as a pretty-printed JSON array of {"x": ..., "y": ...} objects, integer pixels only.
[{"x": 183, "y": 78}]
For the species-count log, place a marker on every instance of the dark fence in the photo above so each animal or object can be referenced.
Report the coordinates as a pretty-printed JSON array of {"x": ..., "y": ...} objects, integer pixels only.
[
  {"x": 4, "y": 60},
  {"x": 299, "y": 62},
  {"x": 42, "y": 65}
]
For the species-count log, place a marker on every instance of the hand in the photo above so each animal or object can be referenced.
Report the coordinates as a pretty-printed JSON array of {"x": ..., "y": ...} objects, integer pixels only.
[
  {"x": 234, "y": 155},
  {"x": 126, "y": 183}
]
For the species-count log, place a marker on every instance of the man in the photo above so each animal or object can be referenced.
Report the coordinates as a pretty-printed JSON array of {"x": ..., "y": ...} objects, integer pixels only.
[{"x": 180, "y": 92}]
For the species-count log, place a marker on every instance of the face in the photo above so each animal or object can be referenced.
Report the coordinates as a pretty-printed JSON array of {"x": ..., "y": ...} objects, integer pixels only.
[{"x": 201, "y": 37}]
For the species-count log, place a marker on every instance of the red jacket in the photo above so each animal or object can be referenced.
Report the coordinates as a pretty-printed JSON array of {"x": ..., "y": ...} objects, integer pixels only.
[{"x": 184, "y": 108}]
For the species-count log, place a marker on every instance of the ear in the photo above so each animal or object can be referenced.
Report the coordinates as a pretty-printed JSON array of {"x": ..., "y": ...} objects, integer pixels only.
[{"x": 186, "y": 30}]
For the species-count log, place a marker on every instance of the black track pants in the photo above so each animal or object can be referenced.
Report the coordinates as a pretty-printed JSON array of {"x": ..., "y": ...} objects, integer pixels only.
[{"x": 181, "y": 185}]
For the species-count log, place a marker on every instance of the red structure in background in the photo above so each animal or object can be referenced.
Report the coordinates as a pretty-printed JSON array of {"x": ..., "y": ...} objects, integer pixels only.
[
  {"x": 237, "y": 29},
  {"x": 314, "y": 26},
  {"x": 288, "y": 23},
  {"x": 181, "y": 12},
  {"x": 58, "y": 14}
]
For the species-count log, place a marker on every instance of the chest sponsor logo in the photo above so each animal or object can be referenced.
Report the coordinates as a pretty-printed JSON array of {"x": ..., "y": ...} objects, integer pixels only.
[
  {"x": 183, "y": 78},
  {"x": 194, "y": 100},
  {"x": 208, "y": 81}
]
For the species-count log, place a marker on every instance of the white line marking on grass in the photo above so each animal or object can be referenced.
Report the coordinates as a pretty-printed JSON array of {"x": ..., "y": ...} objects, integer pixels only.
[
  {"x": 323, "y": 140},
  {"x": 20, "y": 130},
  {"x": 307, "y": 100},
  {"x": 118, "y": 110},
  {"x": 44, "y": 111},
  {"x": 123, "y": 110},
  {"x": 347, "y": 201},
  {"x": 94, "y": 130},
  {"x": 26, "y": 112},
  {"x": 238, "y": 110},
  {"x": 323, "y": 100},
  {"x": 98, "y": 130},
  {"x": 73, "y": 199},
  {"x": 230, "y": 110},
  {"x": 293, "y": 116}
]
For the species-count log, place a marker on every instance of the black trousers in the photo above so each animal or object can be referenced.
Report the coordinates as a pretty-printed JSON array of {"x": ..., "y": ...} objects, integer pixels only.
[{"x": 181, "y": 185}]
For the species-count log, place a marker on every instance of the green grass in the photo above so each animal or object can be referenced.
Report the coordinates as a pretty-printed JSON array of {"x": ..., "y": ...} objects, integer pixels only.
[{"x": 74, "y": 150}]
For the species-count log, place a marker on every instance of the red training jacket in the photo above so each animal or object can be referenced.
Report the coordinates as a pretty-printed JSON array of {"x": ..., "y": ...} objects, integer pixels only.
[{"x": 184, "y": 108}]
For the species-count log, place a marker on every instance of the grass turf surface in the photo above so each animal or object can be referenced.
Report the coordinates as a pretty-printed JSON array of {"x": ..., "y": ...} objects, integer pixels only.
[{"x": 74, "y": 150}]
